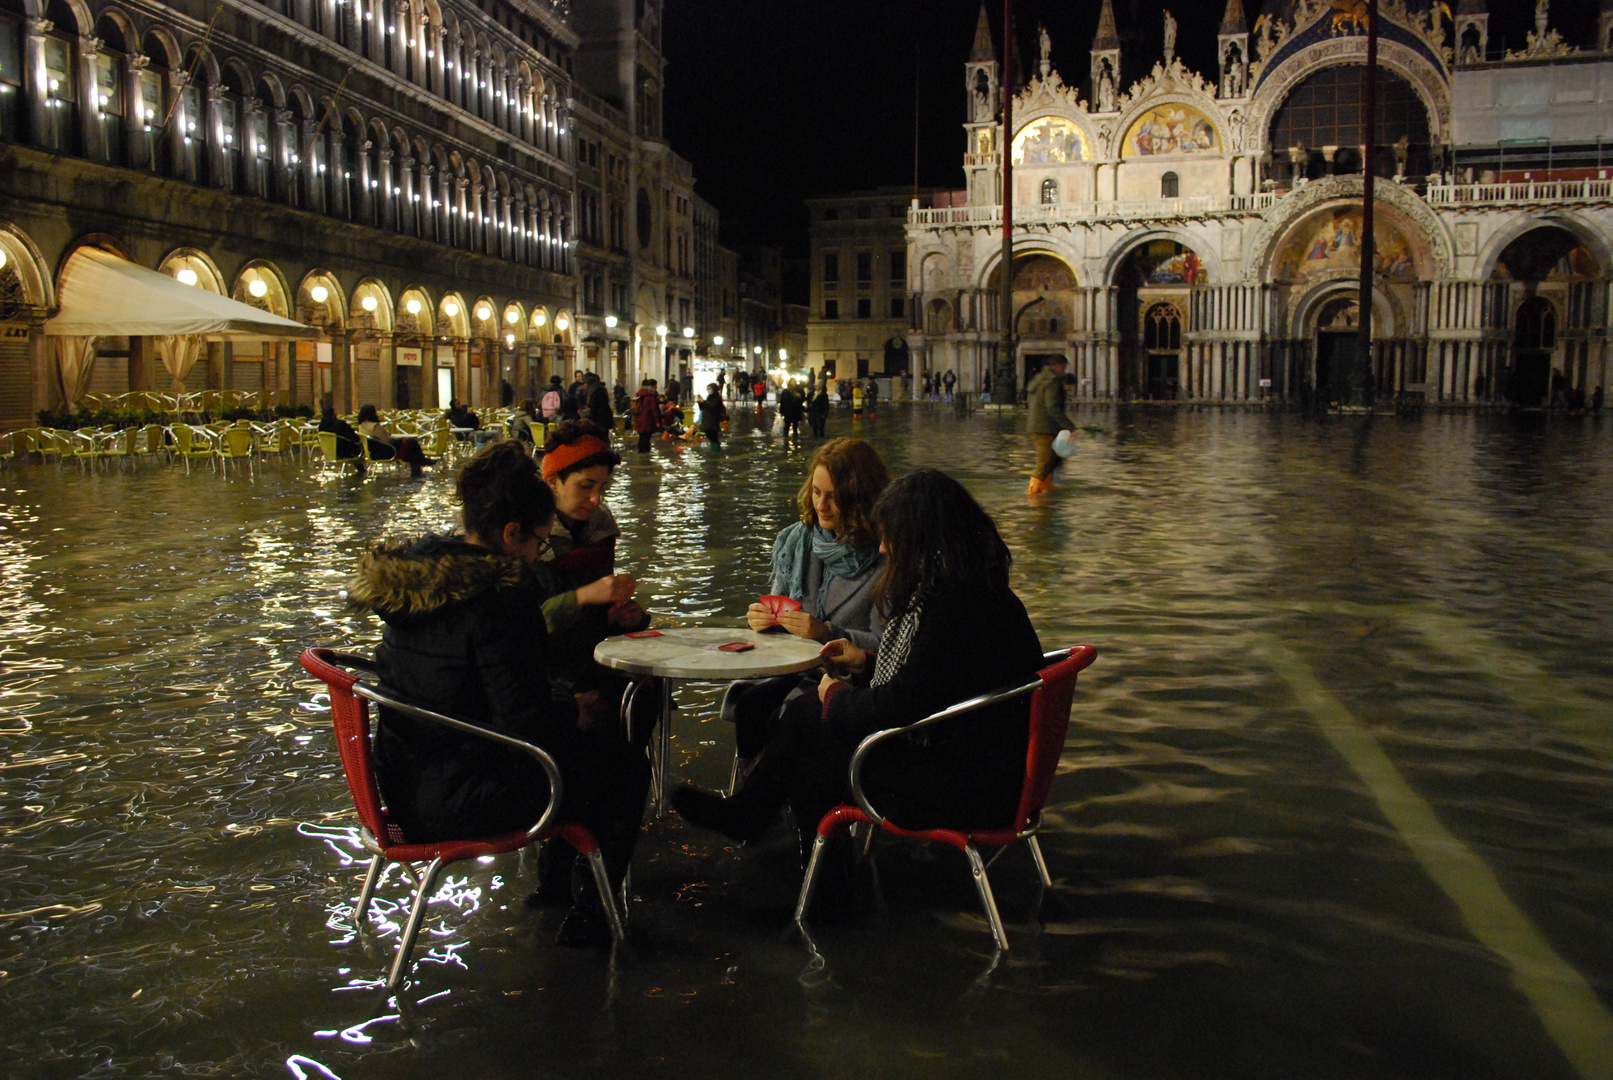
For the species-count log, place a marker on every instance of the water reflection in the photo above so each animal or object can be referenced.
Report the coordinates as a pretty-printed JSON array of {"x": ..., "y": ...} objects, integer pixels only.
[{"x": 1235, "y": 892}]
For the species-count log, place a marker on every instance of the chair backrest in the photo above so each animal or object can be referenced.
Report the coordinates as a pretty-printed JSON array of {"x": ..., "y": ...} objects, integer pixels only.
[
  {"x": 327, "y": 445},
  {"x": 350, "y": 715},
  {"x": 1049, "y": 719},
  {"x": 150, "y": 441},
  {"x": 237, "y": 442}
]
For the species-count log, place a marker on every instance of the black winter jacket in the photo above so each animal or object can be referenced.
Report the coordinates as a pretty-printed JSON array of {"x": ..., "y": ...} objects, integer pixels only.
[{"x": 464, "y": 636}]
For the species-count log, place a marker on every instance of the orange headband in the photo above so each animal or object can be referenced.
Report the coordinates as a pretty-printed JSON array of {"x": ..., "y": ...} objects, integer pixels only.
[{"x": 563, "y": 457}]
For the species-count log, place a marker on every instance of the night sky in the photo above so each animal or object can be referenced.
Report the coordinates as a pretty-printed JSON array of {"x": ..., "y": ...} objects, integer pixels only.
[{"x": 775, "y": 101}]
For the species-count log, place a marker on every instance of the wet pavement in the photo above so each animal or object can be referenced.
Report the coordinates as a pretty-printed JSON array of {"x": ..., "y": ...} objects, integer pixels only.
[{"x": 1337, "y": 799}]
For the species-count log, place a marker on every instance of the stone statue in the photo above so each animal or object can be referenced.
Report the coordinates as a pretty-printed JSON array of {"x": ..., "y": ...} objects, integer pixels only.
[
  {"x": 1170, "y": 36},
  {"x": 1045, "y": 42},
  {"x": 1106, "y": 92},
  {"x": 1542, "y": 14}
]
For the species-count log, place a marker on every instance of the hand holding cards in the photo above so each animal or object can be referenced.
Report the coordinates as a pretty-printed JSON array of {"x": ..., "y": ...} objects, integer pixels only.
[{"x": 776, "y": 604}]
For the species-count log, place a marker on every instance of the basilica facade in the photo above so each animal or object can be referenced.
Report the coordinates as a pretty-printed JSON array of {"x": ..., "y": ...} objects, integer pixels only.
[{"x": 1194, "y": 238}]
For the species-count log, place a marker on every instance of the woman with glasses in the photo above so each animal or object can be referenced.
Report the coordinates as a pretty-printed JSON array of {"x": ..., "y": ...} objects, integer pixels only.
[{"x": 449, "y": 604}]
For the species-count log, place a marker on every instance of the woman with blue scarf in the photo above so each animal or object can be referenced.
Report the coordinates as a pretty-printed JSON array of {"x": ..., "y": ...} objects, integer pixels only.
[{"x": 829, "y": 562}]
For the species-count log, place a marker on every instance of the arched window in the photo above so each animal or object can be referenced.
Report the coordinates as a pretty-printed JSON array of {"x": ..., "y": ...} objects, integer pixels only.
[
  {"x": 109, "y": 91},
  {"x": 1162, "y": 328},
  {"x": 1050, "y": 191},
  {"x": 1170, "y": 186},
  {"x": 61, "y": 82},
  {"x": 11, "y": 100},
  {"x": 1325, "y": 110}
]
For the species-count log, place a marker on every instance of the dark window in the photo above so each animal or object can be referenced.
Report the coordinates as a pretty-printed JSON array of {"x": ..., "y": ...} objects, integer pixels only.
[
  {"x": 865, "y": 267},
  {"x": 831, "y": 309},
  {"x": 1162, "y": 328},
  {"x": 862, "y": 211},
  {"x": 1325, "y": 110},
  {"x": 645, "y": 221},
  {"x": 831, "y": 213},
  {"x": 1537, "y": 325},
  {"x": 1170, "y": 186},
  {"x": 1050, "y": 190},
  {"x": 865, "y": 308},
  {"x": 898, "y": 307},
  {"x": 898, "y": 260},
  {"x": 831, "y": 267}
]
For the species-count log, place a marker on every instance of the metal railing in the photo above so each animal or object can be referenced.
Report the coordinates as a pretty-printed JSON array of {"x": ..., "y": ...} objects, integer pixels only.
[
  {"x": 1521, "y": 191},
  {"x": 1117, "y": 210}
]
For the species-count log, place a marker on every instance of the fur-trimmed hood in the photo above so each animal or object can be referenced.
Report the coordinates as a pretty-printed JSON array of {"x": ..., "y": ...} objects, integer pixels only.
[{"x": 403, "y": 578}]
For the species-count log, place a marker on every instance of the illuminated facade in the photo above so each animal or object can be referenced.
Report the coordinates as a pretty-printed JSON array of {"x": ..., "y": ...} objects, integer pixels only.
[
  {"x": 1187, "y": 239},
  {"x": 429, "y": 183}
]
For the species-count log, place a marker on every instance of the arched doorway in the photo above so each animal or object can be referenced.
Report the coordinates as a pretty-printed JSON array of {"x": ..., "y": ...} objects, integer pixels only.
[
  {"x": 1154, "y": 285},
  {"x": 1554, "y": 279},
  {"x": 1045, "y": 309},
  {"x": 1342, "y": 376},
  {"x": 1162, "y": 347},
  {"x": 1534, "y": 339}
]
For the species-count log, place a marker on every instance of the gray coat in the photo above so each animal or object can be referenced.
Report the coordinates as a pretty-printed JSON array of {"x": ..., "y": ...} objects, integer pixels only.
[{"x": 848, "y": 606}]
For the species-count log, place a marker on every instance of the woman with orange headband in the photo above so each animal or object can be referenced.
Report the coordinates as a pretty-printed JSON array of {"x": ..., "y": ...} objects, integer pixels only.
[{"x": 595, "y": 601}]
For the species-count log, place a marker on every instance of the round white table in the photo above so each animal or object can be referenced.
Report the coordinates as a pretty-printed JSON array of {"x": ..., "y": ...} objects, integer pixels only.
[{"x": 692, "y": 654}]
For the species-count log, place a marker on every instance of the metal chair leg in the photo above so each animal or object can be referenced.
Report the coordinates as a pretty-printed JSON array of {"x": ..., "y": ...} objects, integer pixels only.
[
  {"x": 411, "y": 929},
  {"x": 1041, "y": 864},
  {"x": 364, "y": 895},
  {"x": 983, "y": 884},
  {"x": 607, "y": 895},
  {"x": 809, "y": 882}
]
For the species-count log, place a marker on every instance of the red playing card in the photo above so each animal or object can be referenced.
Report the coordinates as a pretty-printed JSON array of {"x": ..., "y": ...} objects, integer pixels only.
[
  {"x": 736, "y": 646},
  {"x": 644, "y": 634},
  {"x": 776, "y": 604}
]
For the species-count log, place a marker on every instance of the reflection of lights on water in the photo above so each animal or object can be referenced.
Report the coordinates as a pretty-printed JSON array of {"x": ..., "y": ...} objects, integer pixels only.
[
  {"x": 296, "y": 1063},
  {"x": 356, "y": 1034}
]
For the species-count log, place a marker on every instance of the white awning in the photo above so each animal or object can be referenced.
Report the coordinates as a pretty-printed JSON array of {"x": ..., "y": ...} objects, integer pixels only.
[{"x": 104, "y": 295}]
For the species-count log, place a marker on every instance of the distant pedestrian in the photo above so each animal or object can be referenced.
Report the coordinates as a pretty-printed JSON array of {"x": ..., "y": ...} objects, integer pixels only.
[
  {"x": 1047, "y": 418},
  {"x": 791, "y": 409},
  {"x": 985, "y": 387},
  {"x": 759, "y": 388},
  {"x": 646, "y": 412},
  {"x": 857, "y": 394},
  {"x": 598, "y": 403},
  {"x": 949, "y": 380},
  {"x": 674, "y": 391},
  {"x": 1596, "y": 399},
  {"x": 713, "y": 414},
  {"x": 924, "y": 388},
  {"x": 549, "y": 404},
  {"x": 818, "y": 410}
]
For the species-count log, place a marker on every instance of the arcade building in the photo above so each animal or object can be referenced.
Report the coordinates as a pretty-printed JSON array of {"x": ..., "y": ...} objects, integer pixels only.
[{"x": 1183, "y": 238}]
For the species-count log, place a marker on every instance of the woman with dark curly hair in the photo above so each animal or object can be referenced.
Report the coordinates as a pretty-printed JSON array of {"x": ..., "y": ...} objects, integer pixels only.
[
  {"x": 954, "y": 630},
  {"x": 451, "y": 606}
]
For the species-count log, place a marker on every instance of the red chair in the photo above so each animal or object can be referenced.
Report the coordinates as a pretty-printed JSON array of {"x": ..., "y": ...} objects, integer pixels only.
[
  {"x": 350, "y": 713},
  {"x": 1050, "y": 694}
]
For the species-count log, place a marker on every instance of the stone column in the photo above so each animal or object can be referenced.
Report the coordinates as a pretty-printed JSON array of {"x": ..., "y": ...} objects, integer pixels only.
[
  {"x": 36, "y": 85},
  {"x": 388, "y": 364},
  {"x": 341, "y": 371},
  {"x": 91, "y": 135},
  {"x": 406, "y": 205}
]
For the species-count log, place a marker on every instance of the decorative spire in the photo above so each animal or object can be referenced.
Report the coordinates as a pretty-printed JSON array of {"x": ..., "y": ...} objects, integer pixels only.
[
  {"x": 1233, "y": 22},
  {"x": 1106, "y": 37},
  {"x": 983, "y": 49}
]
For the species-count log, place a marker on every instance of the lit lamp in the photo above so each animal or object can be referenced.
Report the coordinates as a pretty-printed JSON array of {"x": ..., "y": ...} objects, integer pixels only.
[
  {"x": 661, "y": 330},
  {"x": 450, "y": 309},
  {"x": 562, "y": 324},
  {"x": 718, "y": 340},
  {"x": 257, "y": 286},
  {"x": 483, "y": 312},
  {"x": 2, "y": 258},
  {"x": 783, "y": 355},
  {"x": 539, "y": 318},
  {"x": 509, "y": 341},
  {"x": 319, "y": 293},
  {"x": 187, "y": 276},
  {"x": 610, "y": 322},
  {"x": 368, "y": 303},
  {"x": 512, "y": 316},
  {"x": 688, "y": 331},
  {"x": 756, "y": 350},
  {"x": 413, "y": 306}
]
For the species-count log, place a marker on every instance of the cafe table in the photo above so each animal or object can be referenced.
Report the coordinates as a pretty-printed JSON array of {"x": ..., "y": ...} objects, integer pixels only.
[{"x": 691, "y": 654}]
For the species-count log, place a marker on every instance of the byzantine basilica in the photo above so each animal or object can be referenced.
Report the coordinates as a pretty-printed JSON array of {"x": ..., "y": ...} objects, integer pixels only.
[{"x": 1181, "y": 238}]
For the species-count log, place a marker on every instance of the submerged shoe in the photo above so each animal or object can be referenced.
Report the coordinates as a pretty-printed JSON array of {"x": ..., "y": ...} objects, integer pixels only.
[
  {"x": 585, "y": 927},
  {"x": 708, "y": 810},
  {"x": 1039, "y": 486}
]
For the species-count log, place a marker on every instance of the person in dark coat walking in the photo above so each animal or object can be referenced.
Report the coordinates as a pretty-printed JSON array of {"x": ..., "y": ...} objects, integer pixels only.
[
  {"x": 790, "y": 409},
  {"x": 818, "y": 410},
  {"x": 597, "y": 400},
  {"x": 460, "y": 638},
  {"x": 713, "y": 415}
]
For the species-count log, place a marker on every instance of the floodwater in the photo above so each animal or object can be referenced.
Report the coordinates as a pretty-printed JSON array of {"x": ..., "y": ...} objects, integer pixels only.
[{"x": 1337, "y": 800}]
